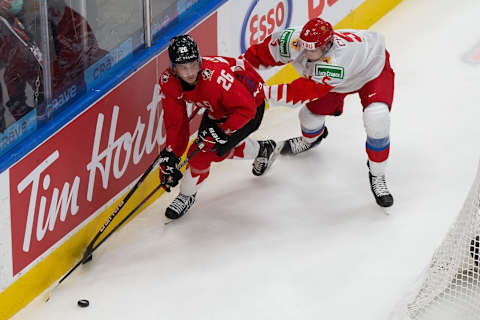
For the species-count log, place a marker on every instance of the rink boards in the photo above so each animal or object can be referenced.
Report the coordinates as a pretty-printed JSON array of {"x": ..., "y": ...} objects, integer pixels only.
[{"x": 56, "y": 198}]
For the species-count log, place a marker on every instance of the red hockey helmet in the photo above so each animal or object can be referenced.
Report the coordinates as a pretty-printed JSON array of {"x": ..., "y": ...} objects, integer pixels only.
[{"x": 316, "y": 33}]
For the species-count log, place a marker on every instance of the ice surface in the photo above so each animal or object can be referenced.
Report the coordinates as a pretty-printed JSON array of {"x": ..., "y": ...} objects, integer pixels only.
[{"x": 307, "y": 241}]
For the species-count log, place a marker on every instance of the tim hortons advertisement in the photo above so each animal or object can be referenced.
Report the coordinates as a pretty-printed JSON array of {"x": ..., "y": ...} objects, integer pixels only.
[
  {"x": 74, "y": 173},
  {"x": 5, "y": 238},
  {"x": 80, "y": 168}
]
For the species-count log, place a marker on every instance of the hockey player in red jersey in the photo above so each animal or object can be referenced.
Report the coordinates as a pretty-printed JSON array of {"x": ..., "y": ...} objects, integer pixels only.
[
  {"x": 231, "y": 93},
  {"x": 333, "y": 65}
]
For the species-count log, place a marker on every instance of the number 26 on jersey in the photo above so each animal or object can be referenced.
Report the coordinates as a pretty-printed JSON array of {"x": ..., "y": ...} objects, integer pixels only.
[{"x": 225, "y": 79}]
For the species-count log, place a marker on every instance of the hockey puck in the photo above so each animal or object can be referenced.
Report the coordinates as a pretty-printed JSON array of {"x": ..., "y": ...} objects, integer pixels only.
[{"x": 83, "y": 303}]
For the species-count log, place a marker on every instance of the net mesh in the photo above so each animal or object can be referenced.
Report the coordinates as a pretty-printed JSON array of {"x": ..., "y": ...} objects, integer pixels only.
[{"x": 451, "y": 284}]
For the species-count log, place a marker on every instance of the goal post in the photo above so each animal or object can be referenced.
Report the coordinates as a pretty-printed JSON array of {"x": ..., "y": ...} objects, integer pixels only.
[{"x": 449, "y": 288}]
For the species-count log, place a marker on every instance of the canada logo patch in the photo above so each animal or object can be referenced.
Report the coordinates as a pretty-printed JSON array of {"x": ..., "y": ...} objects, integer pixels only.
[
  {"x": 165, "y": 77},
  {"x": 207, "y": 74}
]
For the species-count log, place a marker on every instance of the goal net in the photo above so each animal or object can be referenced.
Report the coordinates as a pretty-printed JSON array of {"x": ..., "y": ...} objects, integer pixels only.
[{"x": 450, "y": 286}]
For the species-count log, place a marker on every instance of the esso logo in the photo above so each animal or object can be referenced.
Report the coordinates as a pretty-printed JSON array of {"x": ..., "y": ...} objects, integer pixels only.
[{"x": 263, "y": 18}]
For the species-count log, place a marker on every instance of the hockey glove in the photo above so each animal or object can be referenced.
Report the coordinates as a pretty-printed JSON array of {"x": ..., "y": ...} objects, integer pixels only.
[
  {"x": 169, "y": 174},
  {"x": 213, "y": 137}
]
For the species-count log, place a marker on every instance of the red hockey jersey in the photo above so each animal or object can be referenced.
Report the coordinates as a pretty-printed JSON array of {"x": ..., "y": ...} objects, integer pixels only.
[{"x": 219, "y": 90}]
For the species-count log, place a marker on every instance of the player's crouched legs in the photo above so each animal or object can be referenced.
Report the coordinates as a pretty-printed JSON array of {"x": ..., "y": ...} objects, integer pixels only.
[
  {"x": 313, "y": 132},
  {"x": 376, "y": 118}
]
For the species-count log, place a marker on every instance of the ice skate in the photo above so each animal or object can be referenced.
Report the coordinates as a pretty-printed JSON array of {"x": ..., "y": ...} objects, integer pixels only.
[
  {"x": 269, "y": 150},
  {"x": 380, "y": 191},
  {"x": 180, "y": 206},
  {"x": 298, "y": 145}
]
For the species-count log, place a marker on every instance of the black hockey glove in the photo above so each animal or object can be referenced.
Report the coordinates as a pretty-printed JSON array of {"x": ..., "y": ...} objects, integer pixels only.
[
  {"x": 169, "y": 174},
  {"x": 213, "y": 137}
]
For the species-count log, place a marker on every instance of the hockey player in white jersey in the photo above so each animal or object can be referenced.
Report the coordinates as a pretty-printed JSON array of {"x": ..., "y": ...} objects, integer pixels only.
[{"x": 333, "y": 65}]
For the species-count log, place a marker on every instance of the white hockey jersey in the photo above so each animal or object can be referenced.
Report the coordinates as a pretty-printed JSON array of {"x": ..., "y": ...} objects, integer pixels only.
[{"x": 356, "y": 57}]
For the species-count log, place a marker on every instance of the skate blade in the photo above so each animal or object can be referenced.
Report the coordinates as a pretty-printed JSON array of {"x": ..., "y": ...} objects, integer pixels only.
[
  {"x": 273, "y": 158},
  {"x": 282, "y": 145},
  {"x": 276, "y": 153},
  {"x": 168, "y": 222},
  {"x": 387, "y": 210},
  {"x": 279, "y": 147}
]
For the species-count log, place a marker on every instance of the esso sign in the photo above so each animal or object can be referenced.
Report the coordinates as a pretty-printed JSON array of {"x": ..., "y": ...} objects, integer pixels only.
[{"x": 263, "y": 18}]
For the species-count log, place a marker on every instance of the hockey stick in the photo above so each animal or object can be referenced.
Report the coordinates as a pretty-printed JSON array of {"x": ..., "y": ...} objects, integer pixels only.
[
  {"x": 200, "y": 146},
  {"x": 181, "y": 165},
  {"x": 87, "y": 256},
  {"x": 88, "y": 251},
  {"x": 161, "y": 185}
]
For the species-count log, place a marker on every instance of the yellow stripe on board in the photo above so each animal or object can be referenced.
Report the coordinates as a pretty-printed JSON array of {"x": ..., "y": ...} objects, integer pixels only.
[
  {"x": 55, "y": 265},
  {"x": 366, "y": 14},
  {"x": 50, "y": 269}
]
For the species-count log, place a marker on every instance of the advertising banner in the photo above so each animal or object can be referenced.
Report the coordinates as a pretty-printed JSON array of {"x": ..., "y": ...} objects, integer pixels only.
[
  {"x": 262, "y": 18},
  {"x": 243, "y": 23},
  {"x": 5, "y": 238},
  {"x": 68, "y": 179},
  {"x": 331, "y": 10}
]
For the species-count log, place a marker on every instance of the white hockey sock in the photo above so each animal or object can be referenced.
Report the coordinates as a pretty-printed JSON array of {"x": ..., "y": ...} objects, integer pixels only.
[
  {"x": 376, "y": 119},
  {"x": 378, "y": 168},
  {"x": 251, "y": 149},
  {"x": 312, "y": 125},
  {"x": 188, "y": 184}
]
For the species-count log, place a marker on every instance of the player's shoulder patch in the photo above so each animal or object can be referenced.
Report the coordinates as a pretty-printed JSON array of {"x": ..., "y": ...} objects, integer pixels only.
[
  {"x": 165, "y": 77},
  {"x": 170, "y": 85},
  {"x": 285, "y": 42},
  {"x": 207, "y": 74}
]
